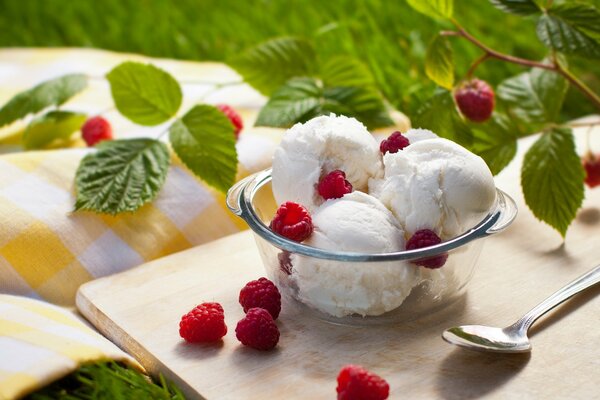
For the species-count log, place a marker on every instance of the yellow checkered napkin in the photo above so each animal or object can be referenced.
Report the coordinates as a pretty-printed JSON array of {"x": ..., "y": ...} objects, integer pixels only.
[
  {"x": 41, "y": 343},
  {"x": 47, "y": 251}
]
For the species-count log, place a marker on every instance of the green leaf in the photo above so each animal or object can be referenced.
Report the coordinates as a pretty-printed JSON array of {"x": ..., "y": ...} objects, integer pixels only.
[
  {"x": 438, "y": 9},
  {"x": 121, "y": 176},
  {"x": 552, "y": 179},
  {"x": 535, "y": 96},
  {"x": 495, "y": 141},
  {"x": 572, "y": 28},
  {"x": 301, "y": 99},
  {"x": 50, "y": 93},
  {"x": 272, "y": 63},
  {"x": 204, "y": 140},
  {"x": 55, "y": 125},
  {"x": 145, "y": 94},
  {"x": 345, "y": 71},
  {"x": 519, "y": 7},
  {"x": 439, "y": 115},
  {"x": 439, "y": 62}
]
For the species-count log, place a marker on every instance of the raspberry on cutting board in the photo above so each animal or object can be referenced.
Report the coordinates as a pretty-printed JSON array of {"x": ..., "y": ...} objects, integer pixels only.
[
  {"x": 356, "y": 383},
  {"x": 261, "y": 293},
  {"x": 205, "y": 323},
  {"x": 257, "y": 330}
]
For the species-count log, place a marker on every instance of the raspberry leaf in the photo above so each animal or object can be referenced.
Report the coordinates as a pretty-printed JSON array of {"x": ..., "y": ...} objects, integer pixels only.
[
  {"x": 495, "y": 141},
  {"x": 571, "y": 28},
  {"x": 121, "y": 176},
  {"x": 143, "y": 93},
  {"x": 204, "y": 140},
  {"x": 552, "y": 179},
  {"x": 439, "y": 62},
  {"x": 519, "y": 7},
  {"x": 535, "y": 96},
  {"x": 50, "y": 93},
  {"x": 272, "y": 63},
  {"x": 437, "y": 9},
  {"x": 439, "y": 115},
  {"x": 55, "y": 125}
]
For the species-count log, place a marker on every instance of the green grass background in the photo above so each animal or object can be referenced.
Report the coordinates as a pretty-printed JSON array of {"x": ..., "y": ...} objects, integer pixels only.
[{"x": 386, "y": 34}]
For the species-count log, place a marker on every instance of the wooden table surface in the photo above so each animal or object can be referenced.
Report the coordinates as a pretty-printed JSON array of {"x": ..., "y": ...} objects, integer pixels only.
[{"x": 140, "y": 310}]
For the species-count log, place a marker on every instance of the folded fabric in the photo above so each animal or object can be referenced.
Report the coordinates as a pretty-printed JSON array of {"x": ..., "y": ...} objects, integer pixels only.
[
  {"x": 47, "y": 251},
  {"x": 40, "y": 343}
]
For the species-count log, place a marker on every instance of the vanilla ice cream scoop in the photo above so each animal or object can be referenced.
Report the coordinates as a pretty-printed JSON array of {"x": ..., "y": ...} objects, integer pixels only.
[
  {"x": 359, "y": 223},
  {"x": 436, "y": 184},
  {"x": 317, "y": 147}
]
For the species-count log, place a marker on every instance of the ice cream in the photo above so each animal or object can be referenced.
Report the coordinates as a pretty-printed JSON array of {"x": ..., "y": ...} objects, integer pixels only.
[
  {"x": 435, "y": 184},
  {"x": 311, "y": 150},
  {"x": 359, "y": 223}
]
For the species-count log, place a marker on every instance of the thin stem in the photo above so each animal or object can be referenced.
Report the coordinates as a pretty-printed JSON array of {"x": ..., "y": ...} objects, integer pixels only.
[
  {"x": 474, "y": 66},
  {"x": 579, "y": 85}
]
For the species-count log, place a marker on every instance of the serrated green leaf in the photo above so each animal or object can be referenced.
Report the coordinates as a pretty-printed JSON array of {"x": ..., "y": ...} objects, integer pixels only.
[
  {"x": 204, "y": 140},
  {"x": 552, "y": 179},
  {"x": 438, "y": 9},
  {"x": 439, "y": 115},
  {"x": 121, "y": 176},
  {"x": 345, "y": 71},
  {"x": 50, "y": 93},
  {"x": 535, "y": 96},
  {"x": 571, "y": 28},
  {"x": 54, "y": 125},
  {"x": 519, "y": 7},
  {"x": 301, "y": 99},
  {"x": 439, "y": 62},
  {"x": 495, "y": 141},
  {"x": 143, "y": 93},
  {"x": 272, "y": 63}
]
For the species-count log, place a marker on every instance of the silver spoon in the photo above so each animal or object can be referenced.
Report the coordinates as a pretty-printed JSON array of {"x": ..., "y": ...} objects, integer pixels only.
[{"x": 513, "y": 338}]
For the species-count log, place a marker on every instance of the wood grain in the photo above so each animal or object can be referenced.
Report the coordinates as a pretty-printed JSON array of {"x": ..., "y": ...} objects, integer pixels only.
[{"x": 140, "y": 310}]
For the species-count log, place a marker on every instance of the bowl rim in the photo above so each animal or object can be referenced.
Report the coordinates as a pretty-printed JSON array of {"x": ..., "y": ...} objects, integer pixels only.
[{"x": 239, "y": 201}]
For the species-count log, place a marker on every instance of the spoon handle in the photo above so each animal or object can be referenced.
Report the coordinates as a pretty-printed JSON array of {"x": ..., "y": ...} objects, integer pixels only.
[{"x": 583, "y": 282}]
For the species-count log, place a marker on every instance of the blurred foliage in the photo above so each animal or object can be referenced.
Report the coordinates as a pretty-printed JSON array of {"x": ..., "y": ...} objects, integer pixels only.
[{"x": 387, "y": 35}]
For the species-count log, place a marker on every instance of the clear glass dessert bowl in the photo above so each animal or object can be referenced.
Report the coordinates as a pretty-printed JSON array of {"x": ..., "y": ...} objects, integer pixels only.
[{"x": 361, "y": 288}]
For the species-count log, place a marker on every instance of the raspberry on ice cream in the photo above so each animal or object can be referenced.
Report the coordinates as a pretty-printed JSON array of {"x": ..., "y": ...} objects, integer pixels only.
[
  {"x": 356, "y": 383},
  {"x": 475, "y": 100},
  {"x": 257, "y": 330},
  {"x": 292, "y": 221},
  {"x": 205, "y": 323},
  {"x": 261, "y": 293},
  {"x": 334, "y": 185},
  {"x": 95, "y": 130},
  {"x": 425, "y": 238},
  {"x": 395, "y": 142},
  {"x": 233, "y": 116}
]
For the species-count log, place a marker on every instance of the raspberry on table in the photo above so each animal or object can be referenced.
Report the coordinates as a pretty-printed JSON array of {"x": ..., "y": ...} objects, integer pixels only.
[
  {"x": 591, "y": 164},
  {"x": 425, "y": 238},
  {"x": 475, "y": 100},
  {"x": 356, "y": 383},
  {"x": 334, "y": 185},
  {"x": 395, "y": 142},
  {"x": 96, "y": 129},
  {"x": 257, "y": 330},
  {"x": 292, "y": 221},
  {"x": 261, "y": 293},
  {"x": 205, "y": 323},
  {"x": 233, "y": 116}
]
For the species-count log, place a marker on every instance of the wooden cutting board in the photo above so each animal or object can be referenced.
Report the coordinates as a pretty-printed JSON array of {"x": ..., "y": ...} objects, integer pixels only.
[{"x": 140, "y": 311}]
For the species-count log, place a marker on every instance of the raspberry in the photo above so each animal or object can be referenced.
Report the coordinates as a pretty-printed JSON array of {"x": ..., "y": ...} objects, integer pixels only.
[
  {"x": 233, "y": 116},
  {"x": 396, "y": 141},
  {"x": 205, "y": 323},
  {"x": 257, "y": 330},
  {"x": 261, "y": 293},
  {"x": 356, "y": 383},
  {"x": 591, "y": 164},
  {"x": 292, "y": 221},
  {"x": 95, "y": 130},
  {"x": 475, "y": 100},
  {"x": 334, "y": 185},
  {"x": 424, "y": 238}
]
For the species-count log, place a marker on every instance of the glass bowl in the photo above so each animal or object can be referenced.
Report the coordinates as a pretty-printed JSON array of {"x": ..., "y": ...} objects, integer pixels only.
[{"x": 360, "y": 288}]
